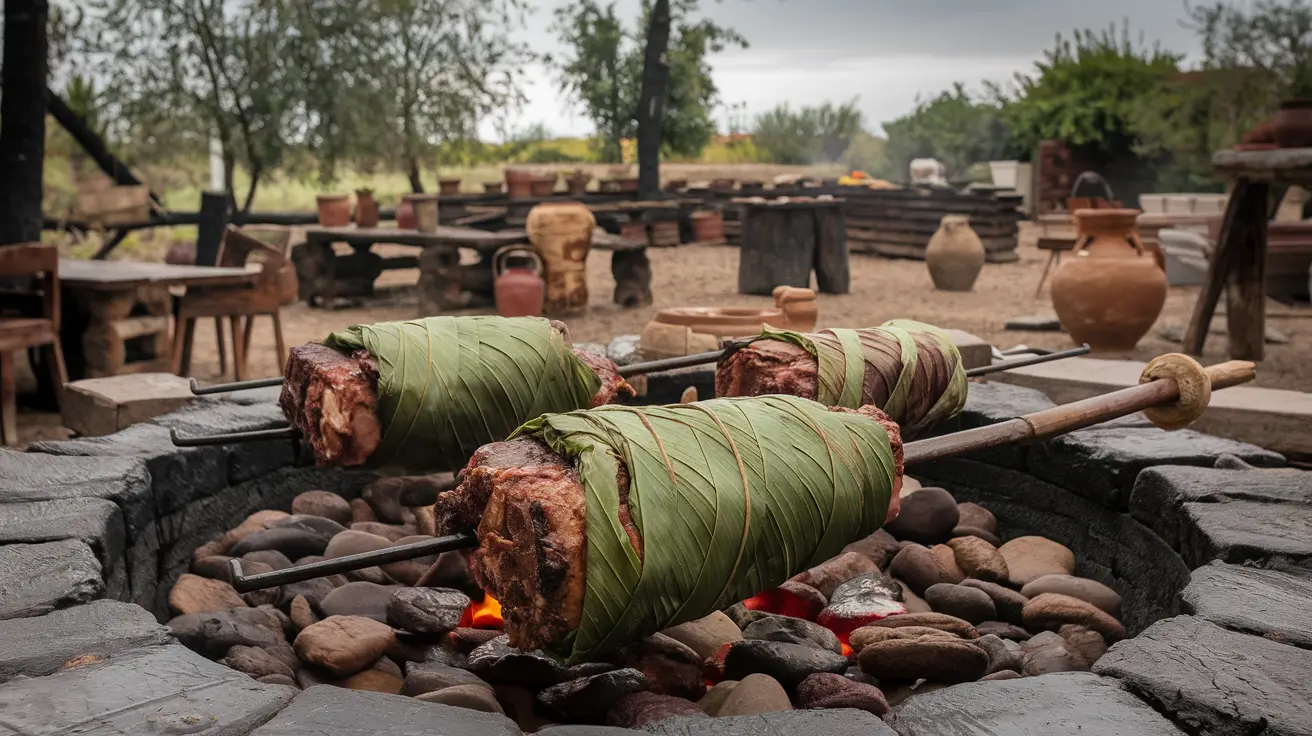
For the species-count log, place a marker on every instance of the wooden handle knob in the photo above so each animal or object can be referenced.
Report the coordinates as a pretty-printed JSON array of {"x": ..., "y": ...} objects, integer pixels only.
[{"x": 1232, "y": 373}]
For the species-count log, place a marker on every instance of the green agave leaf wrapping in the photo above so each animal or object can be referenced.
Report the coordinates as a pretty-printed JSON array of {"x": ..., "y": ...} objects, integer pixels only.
[
  {"x": 447, "y": 385},
  {"x": 730, "y": 497}
]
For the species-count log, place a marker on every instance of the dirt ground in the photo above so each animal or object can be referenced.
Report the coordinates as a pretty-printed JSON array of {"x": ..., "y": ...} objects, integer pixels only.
[{"x": 881, "y": 289}]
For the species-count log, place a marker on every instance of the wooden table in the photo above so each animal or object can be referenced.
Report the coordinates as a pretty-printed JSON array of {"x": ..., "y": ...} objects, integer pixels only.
[
  {"x": 116, "y": 313},
  {"x": 784, "y": 240},
  {"x": 1238, "y": 265}
]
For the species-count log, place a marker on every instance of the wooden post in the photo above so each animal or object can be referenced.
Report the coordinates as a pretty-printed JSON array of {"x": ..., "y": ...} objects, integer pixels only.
[
  {"x": 778, "y": 248},
  {"x": 632, "y": 271},
  {"x": 1240, "y": 262},
  {"x": 214, "y": 217},
  {"x": 22, "y": 120},
  {"x": 832, "y": 270}
]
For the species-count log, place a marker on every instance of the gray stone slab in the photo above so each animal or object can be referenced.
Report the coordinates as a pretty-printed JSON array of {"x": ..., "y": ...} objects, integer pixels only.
[
  {"x": 164, "y": 690},
  {"x": 587, "y": 731},
  {"x": 840, "y": 722},
  {"x": 96, "y": 521},
  {"x": 38, "y": 646},
  {"x": 1075, "y": 703},
  {"x": 245, "y": 460},
  {"x": 38, "y": 578},
  {"x": 267, "y": 395},
  {"x": 1160, "y": 492},
  {"x": 325, "y": 710},
  {"x": 1102, "y": 464},
  {"x": 1210, "y": 680},
  {"x": 1276, "y": 604},
  {"x": 989, "y": 403},
  {"x": 1246, "y": 531}
]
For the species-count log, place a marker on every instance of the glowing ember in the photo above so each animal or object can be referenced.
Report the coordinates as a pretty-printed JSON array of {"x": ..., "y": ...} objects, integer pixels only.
[
  {"x": 484, "y": 615},
  {"x": 847, "y": 650},
  {"x": 789, "y": 599}
]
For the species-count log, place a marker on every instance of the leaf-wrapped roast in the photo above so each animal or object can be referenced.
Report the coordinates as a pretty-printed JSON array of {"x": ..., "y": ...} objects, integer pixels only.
[{"x": 599, "y": 527}]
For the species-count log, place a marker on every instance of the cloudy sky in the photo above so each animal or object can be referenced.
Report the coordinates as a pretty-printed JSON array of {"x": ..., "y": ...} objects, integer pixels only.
[{"x": 886, "y": 53}]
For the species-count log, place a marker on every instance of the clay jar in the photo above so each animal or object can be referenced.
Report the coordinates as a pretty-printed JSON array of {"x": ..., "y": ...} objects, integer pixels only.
[
  {"x": 519, "y": 183},
  {"x": 1293, "y": 124},
  {"x": 707, "y": 226},
  {"x": 955, "y": 255},
  {"x": 334, "y": 210},
  {"x": 405, "y": 213},
  {"x": 366, "y": 209},
  {"x": 1109, "y": 293},
  {"x": 518, "y": 286},
  {"x": 561, "y": 232}
]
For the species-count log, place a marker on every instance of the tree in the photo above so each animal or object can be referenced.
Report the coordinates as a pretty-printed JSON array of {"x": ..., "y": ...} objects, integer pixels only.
[
  {"x": 953, "y": 127},
  {"x": 23, "y": 74},
  {"x": 607, "y": 69},
  {"x": 808, "y": 135}
]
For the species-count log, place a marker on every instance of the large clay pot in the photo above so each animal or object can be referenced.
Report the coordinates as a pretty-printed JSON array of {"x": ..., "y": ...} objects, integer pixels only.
[
  {"x": 334, "y": 210},
  {"x": 1294, "y": 124},
  {"x": 561, "y": 232},
  {"x": 518, "y": 289},
  {"x": 1109, "y": 293},
  {"x": 519, "y": 183},
  {"x": 366, "y": 209},
  {"x": 955, "y": 255},
  {"x": 690, "y": 330}
]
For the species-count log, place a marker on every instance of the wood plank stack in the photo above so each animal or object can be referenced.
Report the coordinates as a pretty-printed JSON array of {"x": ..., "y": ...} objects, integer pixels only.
[{"x": 898, "y": 223}]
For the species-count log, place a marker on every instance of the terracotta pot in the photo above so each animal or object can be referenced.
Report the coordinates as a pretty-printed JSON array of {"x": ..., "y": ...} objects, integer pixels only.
[
  {"x": 1293, "y": 124},
  {"x": 543, "y": 186},
  {"x": 707, "y": 226},
  {"x": 425, "y": 206},
  {"x": 955, "y": 255},
  {"x": 561, "y": 232},
  {"x": 448, "y": 186},
  {"x": 578, "y": 183},
  {"x": 519, "y": 183},
  {"x": 689, "y": 330},
  {"x": 1109, "y": 293},
  {"x": 492, "y": 187},
  {"x": 366, "y": 209},
  {"x": 1263, "y": 132},
  {"x": 334, "y": 210},
  {"x": 518, "y": 289},
  {"x": 405, "y": 213}
]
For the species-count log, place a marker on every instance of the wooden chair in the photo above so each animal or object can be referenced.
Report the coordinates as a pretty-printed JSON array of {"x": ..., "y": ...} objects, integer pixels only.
[
  {"x": 21, "y": 333},
  {"x": 240, "y": 305}
]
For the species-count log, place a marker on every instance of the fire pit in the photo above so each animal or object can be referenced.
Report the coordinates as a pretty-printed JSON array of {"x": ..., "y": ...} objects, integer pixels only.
[{"x": 1015, "y": 568}]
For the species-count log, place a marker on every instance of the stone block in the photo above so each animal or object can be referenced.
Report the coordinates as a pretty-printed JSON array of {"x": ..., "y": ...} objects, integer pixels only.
[
  {"x": 164, "y": 689},
  {"x": 95, "y": 521},
  {"x": 38, "y": 646},
  {"x": 246, "y": 460},
  {"x": 1246, "y": 531},
  {"x": 975, "y": 352},
  {"x": 325, "y": 710},
  {"x": 1210, "y": 680},
  {"x": 1048, "y": 705},
  {"x": 1270, "y": 603},
  {"x": 838, "y": 722},
  {"x": 38, "y": 578},
  {"x": 1160, "y": 493},
  {"x": 99, "y": 406}
]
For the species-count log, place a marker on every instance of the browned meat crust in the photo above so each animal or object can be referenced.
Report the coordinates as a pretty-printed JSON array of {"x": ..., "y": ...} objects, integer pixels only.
[
  {"x": 768, "y": 367},
  {"x": 613, "y": 387},
  {"x": 333, "y": 400}
]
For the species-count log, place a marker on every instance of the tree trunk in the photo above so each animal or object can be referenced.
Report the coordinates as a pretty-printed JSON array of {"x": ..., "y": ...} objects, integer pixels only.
[
  {"x": 23, "y": 120},
  {"x": 651, "y": 105},
  {"x": 412, "y": 169},
  {"x": 91, "y": 142}
]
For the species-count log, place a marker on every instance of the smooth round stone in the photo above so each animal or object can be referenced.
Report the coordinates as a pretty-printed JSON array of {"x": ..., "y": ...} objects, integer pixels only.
[
  {"x": 861, "y": 601},
  {"x": 422, "y": 490},
  {"x": 940, "y": 621},
  {"x": 1053, "y": 655},
  {"x": 256, "y": 662},
  {"x": 377, "y": 679},
  {"x": 714, "y": 698},
  {"x": 931, "y": 658},
  {"x": 326, "y": 528},
  {"x": 1003, "y": 653},
  {"x": 465, "y": 640},
  {"x": 1003, "y": 630},
  {"x": 867, "y": 635},
  {"x": 287, "y": 540},
  {"x": 314, "y": 591},
  {"x": 408, "y": 572},
  {"x": 390, "y": 532},
  {"x": 474, "y": 697},
  {"x": 279, "y": 680},
  {"x": 1089, "y": 591},
  {"x": 787, "y": 663},
  {"x": 1087, "y": 642},
  {"x": 1051, "y": 611},
  {"x": 324, "y": 504},
  {"x": 271, "y": 558},
  {"x": 828, "y": 576},
  {"x": 1001, "y": 675},
  {"x": 1008, "y": 602},
  {"x": 969, "y": 604},
  {"x": 344, "y": 645},
  {"x": 879, "y": 547},
  {"x": 353, "y": 542},
  {"x": 1030, "y": 558},
  {"x": 214, "y": 567},
  {"x": 928, "y": 517},
  {"x": 974, "y": 531},
  {"x": 913, "y": 602},
  {"x": 947, "y": 560},
  {"x": 974, "y": 515},
  {"x": 361, "y": 511},
  {"x": 792, "y": 598},
  {"x": 499, "y": 663},
  {"x": 794, "y": 631},
  {"x": 384, "y": 497},
  {"x": 979, "y": 559},
  {"x": 302, "y": 613},
  {"x": 644, "y": 709},
  {"x": 261, "y": 596},
  {"x": 373, "y": 575},
  {"x": 825, "y": 690},
  {"x": 214, "y": 632},
  {"x": 427, "y": 610},
  {"x": 427, "y": 677},
  {"x": 707, "y": 634},
  {"x": 587, "y": 699},
  {"x": 195, "y": 594},
  {"x": 359, "y": 599},
  {"x": 755, "y": 694},
  {"x": 669, "y": 675},
  {"x": 918, "y": 567}
]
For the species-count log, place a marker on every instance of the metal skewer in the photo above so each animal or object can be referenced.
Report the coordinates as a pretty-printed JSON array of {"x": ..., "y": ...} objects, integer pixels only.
[{"x": 1040, "y": 425}]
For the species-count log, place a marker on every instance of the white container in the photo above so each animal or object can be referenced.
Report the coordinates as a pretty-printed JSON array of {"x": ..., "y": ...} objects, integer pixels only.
[
  {"x": 1186, "y": 256},
  {"x": 1004, "y": 173}
]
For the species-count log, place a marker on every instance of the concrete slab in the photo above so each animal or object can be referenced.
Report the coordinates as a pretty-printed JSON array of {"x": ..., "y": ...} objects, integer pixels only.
[{"x": 99, "y": 406}]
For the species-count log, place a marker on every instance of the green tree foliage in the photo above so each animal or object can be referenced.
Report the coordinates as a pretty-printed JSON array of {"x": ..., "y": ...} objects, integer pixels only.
[
  {"x": 807, "y": 135},
  {"x": 601, "y": 72},
  {"x": 953, "y": 127}
]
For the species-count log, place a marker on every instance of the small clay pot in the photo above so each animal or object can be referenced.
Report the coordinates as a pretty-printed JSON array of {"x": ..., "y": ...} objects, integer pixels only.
[
  {"x": 1262, "y": 133},
  {"x": 334, "y": 210},
  {"x": 366, "y": 209},
  {"x": 405, "y": 213},
  {"x": 707, "y": 226},
  {"x": 448, "y": 186},
  {"x": 1293, "y": 124},
  {"x": 542, "y": 186}
]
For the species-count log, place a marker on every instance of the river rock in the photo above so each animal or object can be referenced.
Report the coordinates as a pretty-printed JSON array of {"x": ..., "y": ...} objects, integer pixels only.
[
  {"x": 313, "y": 590},
  {"x": 825, "y": 690},
  {"x": 343, "y": 645},
  {"x": 867, "y": 635},
  {"x": 947, "y": 560},
  {"x": 969, "y": 604},
  {"x": 499, "y": 663},
  {"x": 1003, "y": 654},
  {"x": 1089, "y": 591},
  {"x": 974, "y": 515},
  {"x": 1006, "y": 601},
  {"x": 919, "y": 568},
  {"x": 1089, "y": 643},
  {"x": 1003, "y": 630},
  {"x": 754, "y": 694},
  {"x": 928, "y": 517},
  {"x": 408, "y": 572},
  {"x": 325, "y": 504},
  {"x": 390, "y": 532},
  {"x": 913, "y": 602},
  {"x": 1030, "y": 558},
  {"x": 972, "y": 531},
  {"x": 1051, "y": 611},
  {"x": 879, "y": 547},
  {"x": 1048, "y": 653},
  {"x": 359, "y": 599},
  {"x": 979, "y": 559},
  {"x": 214, "y": 567},
  {"x": 256, "y": 662},
  {"x": 587, "y": 699},
  {"x": 326, "y": 528},
  {"x": 828, "y": 576},
  {"x": 787, "y": 663},
  {"x": 931, "y": 658},
  {"x": 384, "y": 497},
  {"x": 465, "y": 640},
  {"x": 270, "y": 558},
  {"x": 860, "y": 601},
  {"x": 793, "y": 631},
  {"x": 940, "y": 621},
  {"x": 427, "y": 610},
  {"x": 214, "y": 632},
  {"x": 707, "y": 634},
  {"x": 382, "y": 677},
  {"x": 361, "y": 511},
  {"x": 302, "y": 613},
  {"x": 715, "y": 696},
  {"x": 475, "y": 697},
  {"x": 354, "y": 542},
  {"x": 645, "y": 709},
  {"x": 289, "y": 541},
  {"x": 195, "y": 594},
  {"x": 1001, "y": 675},
  {"x": 426, "y": 677}
]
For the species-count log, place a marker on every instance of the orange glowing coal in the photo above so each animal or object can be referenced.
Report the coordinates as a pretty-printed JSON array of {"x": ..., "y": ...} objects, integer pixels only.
[{"x": 484, "y": 615}]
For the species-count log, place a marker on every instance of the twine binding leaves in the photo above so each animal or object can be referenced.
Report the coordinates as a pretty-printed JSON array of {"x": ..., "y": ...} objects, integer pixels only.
[
  {"x": 729, "y": 496},
  {"x": 448, "y": 385},
  {"x": 910, "y": 370}
]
